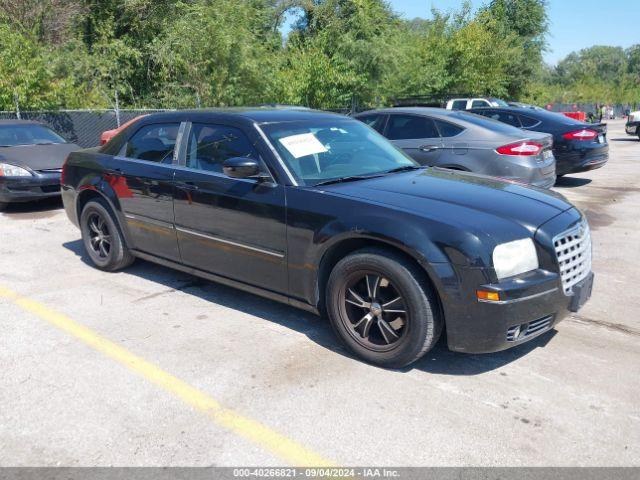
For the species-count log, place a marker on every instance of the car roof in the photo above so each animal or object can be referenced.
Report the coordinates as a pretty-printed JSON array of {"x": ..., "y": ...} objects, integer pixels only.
[
  {"x": 254, "y": 114},
  {"x": 431, "y": 111},
  {"x": 538, "y": 114}
]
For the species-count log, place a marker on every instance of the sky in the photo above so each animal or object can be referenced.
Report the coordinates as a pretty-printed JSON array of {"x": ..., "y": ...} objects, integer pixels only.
[{"x": 574, "y": 24}]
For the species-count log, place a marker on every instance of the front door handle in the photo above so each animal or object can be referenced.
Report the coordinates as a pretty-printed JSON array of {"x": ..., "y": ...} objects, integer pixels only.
[
  {"x": 429, "y": 148},
  {"x": 187, "y": 185}
]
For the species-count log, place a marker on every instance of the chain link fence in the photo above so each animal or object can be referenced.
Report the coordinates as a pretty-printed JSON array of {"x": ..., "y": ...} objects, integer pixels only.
[
  {"x": 79, "y": 126},
  {"x": 84, "y": 127},
  {"x": 618, "y": 110}
]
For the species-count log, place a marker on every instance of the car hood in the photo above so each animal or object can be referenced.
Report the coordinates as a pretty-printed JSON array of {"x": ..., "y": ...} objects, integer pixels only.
[
  {"x": 38, "y": 157},
  {"x": 458, "y": 197}
]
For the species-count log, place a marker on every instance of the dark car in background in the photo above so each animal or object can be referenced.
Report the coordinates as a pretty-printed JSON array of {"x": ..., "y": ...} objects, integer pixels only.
[
  {"x": 321, "y": 212},
  {"x": 632, "y": 127},
  {"x": 460, "y": 140},
  {"x": 577, "y": 146},
  {"x": 31, "y": 159}
]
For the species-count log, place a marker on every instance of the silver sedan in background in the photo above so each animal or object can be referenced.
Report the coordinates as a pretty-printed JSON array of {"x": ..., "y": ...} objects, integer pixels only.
[{"x": 464, "y": 141}]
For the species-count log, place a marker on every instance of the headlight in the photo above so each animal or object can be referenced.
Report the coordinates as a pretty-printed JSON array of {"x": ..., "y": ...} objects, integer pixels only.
[
  {"x": 7, "y": 170},
  {"x": 515, "y": 257}
]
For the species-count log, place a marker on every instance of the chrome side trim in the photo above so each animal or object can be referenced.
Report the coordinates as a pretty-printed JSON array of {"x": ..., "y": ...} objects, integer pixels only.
[
  {"x": 152, "y": 221},
  {"x": 521, "y": 299},
  {"x": 229, "y": 242},
  {"x": 277, "y": 155}
]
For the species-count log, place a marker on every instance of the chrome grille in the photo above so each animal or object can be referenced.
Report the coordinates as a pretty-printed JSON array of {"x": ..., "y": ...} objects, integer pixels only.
[
  {"x": 573, "y": 250},
  {"x": 519, "y": 332}
]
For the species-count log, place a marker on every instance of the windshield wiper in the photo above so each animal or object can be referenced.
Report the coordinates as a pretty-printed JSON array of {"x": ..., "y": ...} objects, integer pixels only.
[
  {"x": 351, "y": 178},
  {"x": 406, "y": 168}
]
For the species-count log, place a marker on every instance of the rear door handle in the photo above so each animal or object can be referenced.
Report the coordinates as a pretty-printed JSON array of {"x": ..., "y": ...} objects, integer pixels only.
[
  {"x": 429, "y": 148},
  {"x": 187, "y": 185}
]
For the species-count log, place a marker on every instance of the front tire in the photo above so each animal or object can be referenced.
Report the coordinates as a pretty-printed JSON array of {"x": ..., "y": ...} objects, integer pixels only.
[
  {"x": 102, "y": 239},
  {"x": 381, "y": 306}
]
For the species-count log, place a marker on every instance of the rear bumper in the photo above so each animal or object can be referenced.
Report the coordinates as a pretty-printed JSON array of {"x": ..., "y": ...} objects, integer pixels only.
[
  {"x": 25, "y": 189},
  {"x": 526, "y": 170},
  {"x": 582, "y": 159}
]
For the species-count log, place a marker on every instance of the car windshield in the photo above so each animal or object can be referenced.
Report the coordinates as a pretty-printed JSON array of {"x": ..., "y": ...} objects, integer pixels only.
[
  {"x": 319, "y": 151},
  {"x": 14, "y": 135}
]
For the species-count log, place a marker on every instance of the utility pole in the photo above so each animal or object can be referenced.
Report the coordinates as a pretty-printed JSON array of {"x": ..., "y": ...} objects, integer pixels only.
[
  {"x": 16, "y": 99},
  {"x": 117, "y": 108}
]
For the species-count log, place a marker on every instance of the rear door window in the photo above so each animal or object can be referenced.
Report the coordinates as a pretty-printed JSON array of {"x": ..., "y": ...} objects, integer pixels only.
[
  {"x": 154, "y": 143},
  {"x": 210, "y": 145},
  {"x": 447, "y": 129},
  {"x": 405, "y": 127},
  {"x": 374, "y": 121}
]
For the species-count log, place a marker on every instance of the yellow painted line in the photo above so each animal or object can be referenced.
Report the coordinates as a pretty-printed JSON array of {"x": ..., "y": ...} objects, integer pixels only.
[{"x": 276, "y": 443}]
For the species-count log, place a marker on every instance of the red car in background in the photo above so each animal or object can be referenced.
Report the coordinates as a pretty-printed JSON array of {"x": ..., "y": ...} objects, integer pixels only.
[{"x": 109, "y": 134}]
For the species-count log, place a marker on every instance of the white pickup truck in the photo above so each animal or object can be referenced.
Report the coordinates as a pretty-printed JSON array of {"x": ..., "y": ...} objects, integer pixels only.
[{"x": 479, "y": 102}]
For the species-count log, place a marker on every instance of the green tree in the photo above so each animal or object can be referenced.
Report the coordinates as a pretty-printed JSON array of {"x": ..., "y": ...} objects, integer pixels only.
[{"x": 524, "y": 24}]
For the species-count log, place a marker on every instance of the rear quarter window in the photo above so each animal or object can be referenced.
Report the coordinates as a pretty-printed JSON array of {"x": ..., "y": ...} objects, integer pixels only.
[
  {"x": 447, "y": 129},
  {"x": 528, "y": 122}
]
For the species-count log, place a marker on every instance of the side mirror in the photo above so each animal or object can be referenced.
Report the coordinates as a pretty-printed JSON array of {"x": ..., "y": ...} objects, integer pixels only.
[{"x": 241, "y": 167}]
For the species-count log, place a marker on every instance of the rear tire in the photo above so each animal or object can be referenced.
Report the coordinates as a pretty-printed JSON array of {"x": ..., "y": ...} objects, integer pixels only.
[
  {"x": 382, "y": 307},
  {"x": 102, "y": 239}
]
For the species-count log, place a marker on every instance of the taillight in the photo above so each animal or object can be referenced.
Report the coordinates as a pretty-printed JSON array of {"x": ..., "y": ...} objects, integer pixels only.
[
  {"x": 584, "y": 134},
  {"x": 526, "y": 149}
]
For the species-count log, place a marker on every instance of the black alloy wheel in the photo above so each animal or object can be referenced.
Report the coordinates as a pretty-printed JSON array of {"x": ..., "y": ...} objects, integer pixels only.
[
  {"x": 99, "y": 235},
  {"x": 375, "y": 311},
  {"x": 382, "y": 306},
  {"x": 102, "y": 238}
]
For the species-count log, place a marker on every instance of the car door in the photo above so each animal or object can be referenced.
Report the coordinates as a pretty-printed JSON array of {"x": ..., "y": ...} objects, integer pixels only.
[
  {"x": 227, "y": 226},
  {"x": 142, "y": 178},
  {"x": 416, "y": 135}
]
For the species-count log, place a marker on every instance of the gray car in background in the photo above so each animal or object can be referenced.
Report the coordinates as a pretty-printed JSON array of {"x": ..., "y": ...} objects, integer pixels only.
[{"x": 464, "y": 141}]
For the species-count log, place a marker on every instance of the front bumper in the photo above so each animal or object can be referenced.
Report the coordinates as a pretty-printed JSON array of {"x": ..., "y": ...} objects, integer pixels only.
[
  {"x": 534, "y": 301},
  {"x": 25, "y": 189}
]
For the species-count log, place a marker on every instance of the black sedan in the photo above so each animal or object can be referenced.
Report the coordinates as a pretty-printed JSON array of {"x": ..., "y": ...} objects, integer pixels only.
[
  {"x": 577, "y": 146},
  {"x": 31, "y": 158},
  {"x": 321, "y": 212}
]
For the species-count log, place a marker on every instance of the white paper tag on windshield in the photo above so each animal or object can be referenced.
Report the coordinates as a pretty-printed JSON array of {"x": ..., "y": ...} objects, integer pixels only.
[{"x": 303, "y": 145}]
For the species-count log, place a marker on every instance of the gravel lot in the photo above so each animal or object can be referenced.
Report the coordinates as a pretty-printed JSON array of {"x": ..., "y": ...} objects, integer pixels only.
[{"x": 568, "y": 398}]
